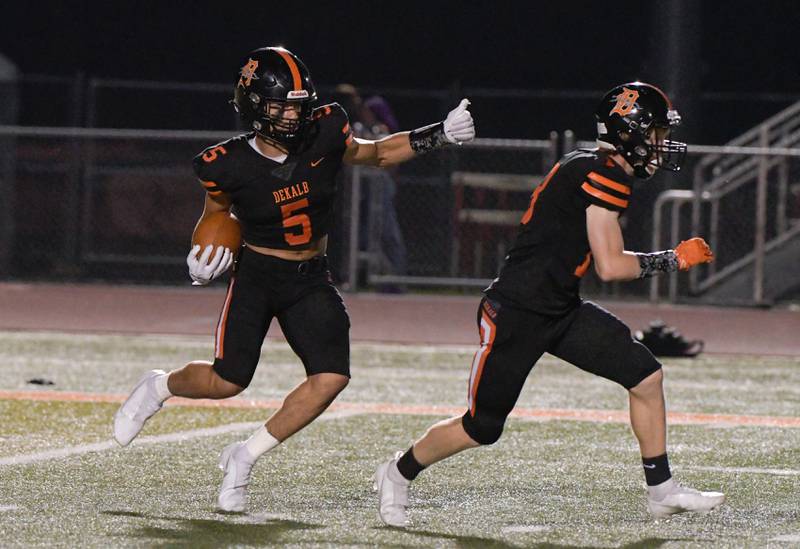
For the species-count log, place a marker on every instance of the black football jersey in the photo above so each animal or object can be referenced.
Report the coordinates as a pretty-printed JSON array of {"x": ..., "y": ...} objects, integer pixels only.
[
  {"x": 284, "y": 205},
  {"x": 551, "y": 253}
]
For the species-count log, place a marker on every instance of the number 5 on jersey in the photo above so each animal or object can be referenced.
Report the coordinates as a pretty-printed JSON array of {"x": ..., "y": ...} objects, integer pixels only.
[{"x": 292, "y": 220}]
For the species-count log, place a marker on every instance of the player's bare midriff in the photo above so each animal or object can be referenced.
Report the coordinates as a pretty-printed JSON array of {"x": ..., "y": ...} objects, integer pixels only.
[{"x": 317, "y": 247}]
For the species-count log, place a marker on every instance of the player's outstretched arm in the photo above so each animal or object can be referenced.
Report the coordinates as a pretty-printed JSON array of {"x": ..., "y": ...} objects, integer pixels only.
[
  {"x": 612, "y": 262},
  {"x": 394, "y": 149},
  {"x": 686, "y": 255}
]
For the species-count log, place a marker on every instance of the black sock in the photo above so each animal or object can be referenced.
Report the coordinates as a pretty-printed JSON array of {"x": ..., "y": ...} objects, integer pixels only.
[
  {"x": 408, "y": 465},
  {"x": 656, "y": 469}
]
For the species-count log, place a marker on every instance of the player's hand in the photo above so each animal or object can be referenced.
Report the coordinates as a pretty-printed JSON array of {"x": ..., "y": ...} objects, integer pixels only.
[
  {"x": 693, "y": 252},
  {"x": 204, "y": 271},
  {"x": 458, "y": 126}
]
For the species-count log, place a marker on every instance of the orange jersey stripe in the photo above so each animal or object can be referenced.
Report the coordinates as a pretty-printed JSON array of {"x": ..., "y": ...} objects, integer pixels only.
[
  {"x": 208, "y": 184},
  {"x": 610, "y": 183},
  {"x": 605, "y": 197},
  {"x": 298, "y": 84}
]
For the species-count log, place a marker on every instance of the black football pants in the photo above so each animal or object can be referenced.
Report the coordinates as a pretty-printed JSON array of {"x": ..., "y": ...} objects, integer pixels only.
[
  {"x": 513, "y": 340},
  {"x": 301, "y": 295}
]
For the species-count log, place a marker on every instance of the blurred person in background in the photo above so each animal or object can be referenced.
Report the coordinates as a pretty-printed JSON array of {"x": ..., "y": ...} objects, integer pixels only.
[
  {"x": 280, "y": 180},
  {"x": 534, "y": 305},
  {"x": 379, "y": 227}
]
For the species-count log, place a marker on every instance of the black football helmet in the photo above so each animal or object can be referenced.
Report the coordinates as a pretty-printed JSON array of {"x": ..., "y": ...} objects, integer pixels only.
[
  {"x": 275, "y": 75},
  {"x": 625, "y": 119}
]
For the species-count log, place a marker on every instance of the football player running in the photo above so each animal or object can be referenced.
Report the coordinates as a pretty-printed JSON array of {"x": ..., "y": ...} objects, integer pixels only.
[
  {"x": 534, "y": 306},
  {"x": 280, "y": 181}
]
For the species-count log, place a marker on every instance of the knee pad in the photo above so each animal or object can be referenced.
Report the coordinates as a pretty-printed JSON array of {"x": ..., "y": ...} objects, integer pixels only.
[
  {"x": 483, "y": 430},
  {"x": 643, "y": 364}
]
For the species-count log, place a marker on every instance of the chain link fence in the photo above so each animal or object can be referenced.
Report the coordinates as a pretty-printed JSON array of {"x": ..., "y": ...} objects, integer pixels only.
[
  {"x": 81, "y": 204},
  {"x": 445, "y": 218},
  {"x": 87, "y": 204},
  {"x": 119, "y": 205}
]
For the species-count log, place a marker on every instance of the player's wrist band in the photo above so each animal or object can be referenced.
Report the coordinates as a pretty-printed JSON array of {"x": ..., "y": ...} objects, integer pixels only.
[
  {"x": 657, "y": 262},
  {"x": 428, "y": 138}
]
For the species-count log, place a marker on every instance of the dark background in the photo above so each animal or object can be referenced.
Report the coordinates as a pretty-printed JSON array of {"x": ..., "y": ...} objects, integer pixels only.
[
  {"x": 75, "y": 206},
  {"x": 726, "y": 64}
]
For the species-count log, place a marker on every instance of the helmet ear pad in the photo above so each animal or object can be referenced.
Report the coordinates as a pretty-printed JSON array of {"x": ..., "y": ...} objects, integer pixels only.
[{"x": 638, "y": 153}]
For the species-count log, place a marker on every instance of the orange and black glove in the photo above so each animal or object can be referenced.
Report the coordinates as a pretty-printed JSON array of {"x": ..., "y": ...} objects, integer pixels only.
[{"x": 693, "y": 252}]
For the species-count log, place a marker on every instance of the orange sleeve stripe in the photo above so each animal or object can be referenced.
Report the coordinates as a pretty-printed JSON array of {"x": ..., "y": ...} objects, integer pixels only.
[
  {"x": 298, "y": 84},
  {"x": 346, "y": 128},
  {"x": 348, "y": 139},
  {"x": 605, "y": 197},
  {"x": 610, "y": 183},
  {"x": 208, "y": 184}
]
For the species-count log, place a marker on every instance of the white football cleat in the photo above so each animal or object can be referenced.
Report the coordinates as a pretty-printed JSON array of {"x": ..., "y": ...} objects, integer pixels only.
[
  {"x": 674, "y": 498},
  {"x": 392, "y": 495},
  {"x": 235, "y": 479},
  {"x": 140, "y": 406}
]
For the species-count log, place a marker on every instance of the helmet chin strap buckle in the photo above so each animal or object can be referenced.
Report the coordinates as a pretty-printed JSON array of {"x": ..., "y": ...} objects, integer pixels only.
[{"x": 640, "y": 171}]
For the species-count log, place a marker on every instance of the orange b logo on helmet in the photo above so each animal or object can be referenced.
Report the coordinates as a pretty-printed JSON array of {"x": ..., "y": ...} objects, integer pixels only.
[
  {"x": 625, "y": 102},
  {"x": 248, "y": 73}
]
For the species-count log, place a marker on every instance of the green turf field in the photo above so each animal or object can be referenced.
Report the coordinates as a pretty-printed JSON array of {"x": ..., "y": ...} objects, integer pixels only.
[{"x": 551, "y": 483}]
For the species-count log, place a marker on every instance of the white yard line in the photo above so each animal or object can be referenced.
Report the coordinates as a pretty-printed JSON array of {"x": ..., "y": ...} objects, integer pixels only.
[
  {"x": 726, "y": 470},
  {"x": 789, "y": 538},
  {"x": 744, "y": 470},
  {"x": 526, "y": 529},
  {"x": 180, "y": 436}
]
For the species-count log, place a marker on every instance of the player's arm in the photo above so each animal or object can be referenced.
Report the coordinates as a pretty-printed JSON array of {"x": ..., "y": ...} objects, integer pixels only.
[
  {"x": 612, "y": 262},
  {"x": 219, "y": 202},
  {"x": 390, "y": 150},
  {"x": 457, "y": 128}
]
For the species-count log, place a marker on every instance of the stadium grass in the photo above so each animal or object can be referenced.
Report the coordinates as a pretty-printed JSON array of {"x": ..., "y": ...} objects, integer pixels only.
[{"x": 545, "y": 484}]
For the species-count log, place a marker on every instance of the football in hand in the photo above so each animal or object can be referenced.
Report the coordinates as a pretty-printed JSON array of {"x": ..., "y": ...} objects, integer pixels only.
[{"x": 218, "y": 229}]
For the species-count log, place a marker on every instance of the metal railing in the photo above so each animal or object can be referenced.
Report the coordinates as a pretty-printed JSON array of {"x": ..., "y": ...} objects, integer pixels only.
[
  {"x": 59, "y": 183},
  {"x": 82, "y": 202},
  {"x": 473, "y": 225},
  {"x": 103, "y": 203},
  {"x": 757, "y": 227},
  {"x": 725, "y": 174}
]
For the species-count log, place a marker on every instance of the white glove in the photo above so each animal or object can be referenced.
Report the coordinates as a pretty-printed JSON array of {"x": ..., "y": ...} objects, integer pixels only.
[
  {"x": 458, "y": 126},
  {"x": 201, "y": 270}
]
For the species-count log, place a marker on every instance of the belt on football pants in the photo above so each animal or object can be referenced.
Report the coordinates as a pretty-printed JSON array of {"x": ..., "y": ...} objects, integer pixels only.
[{"x": 314, "y": 265}]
